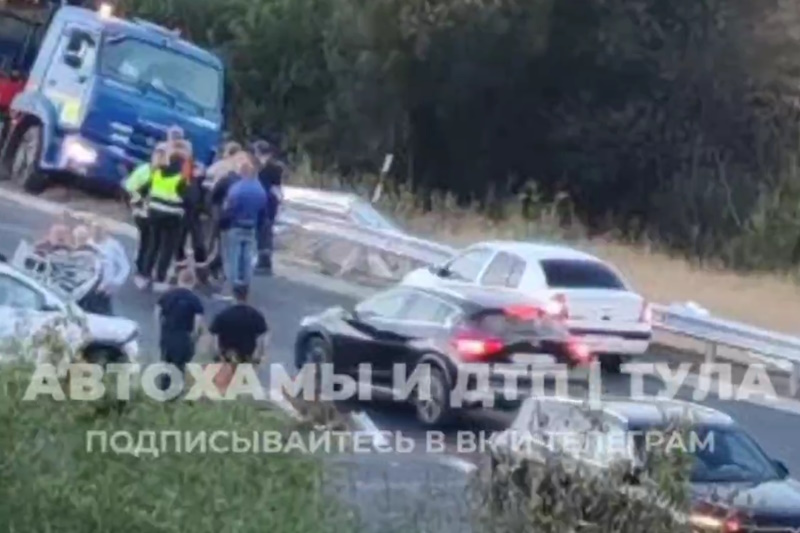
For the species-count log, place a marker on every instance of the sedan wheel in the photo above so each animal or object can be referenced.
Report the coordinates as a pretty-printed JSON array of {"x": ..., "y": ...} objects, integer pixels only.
[
  {"x": 317, "y": 353},
  {"x": 433, "y": 409}
]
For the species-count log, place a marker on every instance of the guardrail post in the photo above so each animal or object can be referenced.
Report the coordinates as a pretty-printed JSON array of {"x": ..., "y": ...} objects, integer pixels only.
[{"x": 711, "y": 352}]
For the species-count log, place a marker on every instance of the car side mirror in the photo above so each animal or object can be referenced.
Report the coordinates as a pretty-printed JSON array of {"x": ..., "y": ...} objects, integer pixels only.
[
  {"x": 782, "y": 469},
  {"x": 73, "y": 60}
]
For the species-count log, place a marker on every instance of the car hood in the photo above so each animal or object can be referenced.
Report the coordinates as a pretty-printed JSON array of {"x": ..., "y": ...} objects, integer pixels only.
[
  {"x": 771, "y": 503},
  {"x": 110, "y": 329}
]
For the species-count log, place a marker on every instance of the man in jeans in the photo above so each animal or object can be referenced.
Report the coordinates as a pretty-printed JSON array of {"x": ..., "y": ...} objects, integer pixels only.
[{"x": 244, "y": 209}]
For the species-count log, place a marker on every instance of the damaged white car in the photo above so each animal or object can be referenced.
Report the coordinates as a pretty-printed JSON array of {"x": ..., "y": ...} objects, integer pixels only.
[{"x": 38, "y": 319}]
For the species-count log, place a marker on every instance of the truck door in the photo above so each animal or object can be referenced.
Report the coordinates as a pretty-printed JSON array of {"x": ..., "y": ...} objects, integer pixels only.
[{"x": 66, "y": 81}]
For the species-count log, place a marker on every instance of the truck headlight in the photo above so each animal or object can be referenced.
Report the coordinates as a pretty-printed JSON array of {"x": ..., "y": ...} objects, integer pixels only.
[{"x": 77, "y": 151}]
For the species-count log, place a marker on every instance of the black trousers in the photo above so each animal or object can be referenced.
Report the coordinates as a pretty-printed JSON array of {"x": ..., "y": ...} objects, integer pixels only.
[
  {"x": 192, "y": 227},
  {"x": 177, "y": 349},
  {"x": 266, "y": 236},
  {"x": 143, "y": 225},
  {"x": 165, "y": 233}
]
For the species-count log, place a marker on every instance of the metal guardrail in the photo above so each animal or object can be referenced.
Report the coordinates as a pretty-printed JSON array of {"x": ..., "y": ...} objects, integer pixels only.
[
  {"x": 342, "y": 247},
  {"x": 781, "y": 350}
]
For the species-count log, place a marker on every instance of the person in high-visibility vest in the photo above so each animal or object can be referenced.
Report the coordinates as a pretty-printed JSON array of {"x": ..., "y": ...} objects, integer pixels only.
[
  {"x": 165, "y": 218},
  {"x": 138, "y": 188}
]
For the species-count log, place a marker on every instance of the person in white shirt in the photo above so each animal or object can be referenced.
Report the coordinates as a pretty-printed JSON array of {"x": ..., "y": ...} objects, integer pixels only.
[{"x": 116, "y": 265}]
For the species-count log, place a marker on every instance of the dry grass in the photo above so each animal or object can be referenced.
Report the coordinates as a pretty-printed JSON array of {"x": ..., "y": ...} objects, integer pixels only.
[{"x": 769, "y": 301}]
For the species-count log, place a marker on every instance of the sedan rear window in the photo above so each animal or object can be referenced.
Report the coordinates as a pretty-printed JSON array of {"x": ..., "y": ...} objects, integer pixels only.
[
  {"x": 498, "y": 322},
  {"x": 579, "y": 274}
]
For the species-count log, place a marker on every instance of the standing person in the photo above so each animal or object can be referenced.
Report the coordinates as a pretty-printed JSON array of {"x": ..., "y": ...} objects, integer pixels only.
[
  {"x": 241, "y": 331},
  {"x": 93, "y": 301},
  {"x": 192, "y": 224},
  {"x": 179, "y": 318},
  {"x": 116, "y": 266},
  {"x": 219, "y": 178},
  {"x": 243, "y": 211},
  {"x": 271, "y": 177},
  {"x": 225, "y": 165},
  {"x": 165, "y": 214},
  {"x": 58, "y": 239},
  {"x": 137, "y": 185}
]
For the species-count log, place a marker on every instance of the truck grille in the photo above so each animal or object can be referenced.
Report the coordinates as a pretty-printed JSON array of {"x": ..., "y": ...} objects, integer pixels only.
[
  {"x": 143, "y": 141},
  {"x": 138, "y": 140}
]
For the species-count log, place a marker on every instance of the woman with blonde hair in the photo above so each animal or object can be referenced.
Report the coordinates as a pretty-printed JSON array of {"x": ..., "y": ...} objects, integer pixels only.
[{"x": 116, "y": 266}]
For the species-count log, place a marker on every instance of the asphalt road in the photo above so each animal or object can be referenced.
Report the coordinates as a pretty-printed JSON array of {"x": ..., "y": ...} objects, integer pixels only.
[{"x": 387, "y": 489}]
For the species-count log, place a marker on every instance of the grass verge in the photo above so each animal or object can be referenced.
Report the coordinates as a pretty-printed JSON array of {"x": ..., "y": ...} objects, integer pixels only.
[{"x": 52, "y": 482}]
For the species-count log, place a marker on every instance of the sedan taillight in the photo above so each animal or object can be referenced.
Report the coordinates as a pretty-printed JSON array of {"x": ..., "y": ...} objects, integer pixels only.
[{"x": 474, "y": 346}]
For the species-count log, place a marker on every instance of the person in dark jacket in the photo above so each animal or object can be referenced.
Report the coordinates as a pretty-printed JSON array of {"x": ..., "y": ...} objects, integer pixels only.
[
  {"x": 270, "y": 175},
  {"x": 179, "y": 316},
  {"x": 192, "y": 223}
]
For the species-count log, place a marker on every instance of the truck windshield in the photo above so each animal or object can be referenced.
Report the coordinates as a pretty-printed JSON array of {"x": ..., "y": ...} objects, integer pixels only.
[{"x": 167, "y": 73}]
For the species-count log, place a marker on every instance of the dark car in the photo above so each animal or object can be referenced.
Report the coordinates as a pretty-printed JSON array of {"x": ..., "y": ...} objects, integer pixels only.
[
  {"x": 735, "y": 486},
  {"x": 449, "y": 331}
]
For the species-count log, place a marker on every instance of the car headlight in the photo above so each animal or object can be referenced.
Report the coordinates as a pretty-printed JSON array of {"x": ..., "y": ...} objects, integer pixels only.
[{"x": 77, "y": 151}]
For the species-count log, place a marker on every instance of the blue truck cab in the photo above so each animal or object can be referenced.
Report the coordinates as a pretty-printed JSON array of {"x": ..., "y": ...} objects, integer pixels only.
[{"x": 102, "y": 93}]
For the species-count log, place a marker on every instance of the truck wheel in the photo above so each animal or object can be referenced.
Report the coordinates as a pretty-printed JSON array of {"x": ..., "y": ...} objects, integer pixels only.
[{"x": 25, "y": 162}]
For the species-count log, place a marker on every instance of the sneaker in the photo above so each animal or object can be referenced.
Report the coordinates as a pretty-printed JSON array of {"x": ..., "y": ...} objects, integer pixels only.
[
  {"x": 160, "y": 287},
  {"x": 225, "y": 294},
  {"x": 141, "y": 282}
]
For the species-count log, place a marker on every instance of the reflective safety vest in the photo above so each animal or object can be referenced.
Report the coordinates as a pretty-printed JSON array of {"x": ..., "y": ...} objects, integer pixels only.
[
  {"x": 164, "y": 193},
  {"x": 135, "y": 185}
]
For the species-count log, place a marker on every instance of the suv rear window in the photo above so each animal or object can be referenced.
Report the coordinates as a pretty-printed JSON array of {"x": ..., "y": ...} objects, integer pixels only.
[{"x": 576, "y": 274}]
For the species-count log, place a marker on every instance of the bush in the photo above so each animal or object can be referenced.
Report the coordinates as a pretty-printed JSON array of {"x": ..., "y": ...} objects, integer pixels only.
[
  {"x": 554, "y": 493},
  {"x": 51, "y": 482}
]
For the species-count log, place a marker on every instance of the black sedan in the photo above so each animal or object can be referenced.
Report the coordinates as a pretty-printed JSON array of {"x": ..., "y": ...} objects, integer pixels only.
[{"x": 486, "y": 344}]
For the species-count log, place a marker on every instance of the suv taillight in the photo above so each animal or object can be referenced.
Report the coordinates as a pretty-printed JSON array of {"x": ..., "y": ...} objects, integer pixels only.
[
  {"x": 647, "y": 313},
  {"x": 557, "y": 307},
  {"x": 474, "y": 346}
]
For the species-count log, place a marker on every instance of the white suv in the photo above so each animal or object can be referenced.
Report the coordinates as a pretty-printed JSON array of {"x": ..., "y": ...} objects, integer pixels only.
[{"x": 593, "y": 298}]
